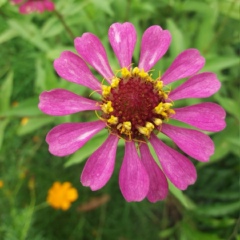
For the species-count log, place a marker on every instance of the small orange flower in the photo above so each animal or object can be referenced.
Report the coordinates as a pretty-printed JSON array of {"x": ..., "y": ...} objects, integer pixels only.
[
  {"x": 1, "y": 183},
  {"x": 60, "y": 196},
  {"x": 24, "y": 121}
]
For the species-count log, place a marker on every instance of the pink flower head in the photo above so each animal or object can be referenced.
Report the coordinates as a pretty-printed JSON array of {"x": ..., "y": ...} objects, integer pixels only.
[
  {"x": 29, "y": 6},
  {"x": 135, "y": 107}
]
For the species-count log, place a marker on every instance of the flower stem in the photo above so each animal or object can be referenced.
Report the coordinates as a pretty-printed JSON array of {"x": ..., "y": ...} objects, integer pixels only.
[
  {"x": 61, "y": 19},
  {"x": 41, "y": 206}
]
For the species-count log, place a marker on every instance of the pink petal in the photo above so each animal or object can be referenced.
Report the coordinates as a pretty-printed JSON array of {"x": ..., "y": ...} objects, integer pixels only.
[
  {"x": 205, "y": 116},
  {"x": 49, "y": 5},
  {"x": 27, "y": 8},
  {"x": 122, "y": 38},
  {"x": 36, "y": 6},
  {"x": 60, "y": 102},
  {"x": 179, "y": 170},
  {"x": 133, "y": 177},
  {"x": 155, "y": 43},
  {"x": 192, "y": 142},
  {"x": 99, "y": 167},
  {"x": 39, "y": 6},
  {"x": 67, "y": 138},
  {"x": 72, "y": 68},
  {"x": 186, "y": 64},
  {"x": 201, "y": 85},
  {"x": 92, "y": 51},
  {"x": 158, "y": 188}
]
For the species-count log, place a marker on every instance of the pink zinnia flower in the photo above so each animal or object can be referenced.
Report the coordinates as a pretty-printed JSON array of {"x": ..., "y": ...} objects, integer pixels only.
[
  {"x": 135, "y": 107},
  {"x": 29, "y": 6}
]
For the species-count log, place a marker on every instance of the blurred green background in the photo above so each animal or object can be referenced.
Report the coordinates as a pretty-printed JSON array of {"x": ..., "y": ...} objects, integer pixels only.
[{"x": 208, "y": 210}]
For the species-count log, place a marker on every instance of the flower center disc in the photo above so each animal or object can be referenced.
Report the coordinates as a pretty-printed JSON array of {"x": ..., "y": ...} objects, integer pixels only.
[
  {"x": 134, "y": 101},
  {"x": 134, "y": 104}
]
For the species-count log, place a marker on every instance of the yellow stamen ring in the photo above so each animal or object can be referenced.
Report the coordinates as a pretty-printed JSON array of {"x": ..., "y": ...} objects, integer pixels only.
[{"x": 128, "y": 104}]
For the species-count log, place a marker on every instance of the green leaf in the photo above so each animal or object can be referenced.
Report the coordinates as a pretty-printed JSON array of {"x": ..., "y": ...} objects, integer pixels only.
[
  {"x": 229, "y": 105},
  {"x": 235, "y": 145},
  {"x": 51, "y": 77},
  {"x": 6, "y": 92},
  {"x": 188, "y": 231},
  {"x": 8, "y": 35},
  {"x": 219, "y": 223},
  {"x": 34, "y": 124},
  {"x": 222, "y": 148},
  {"x": 195, "y": 6},
  {"x": 218, "y": 210},
  {"x": 219, "y": 63},
  {"x": 30, "y": 32},
  {"x": 205, "y": 33},
  {"x": 183, "y": 199},
  {"x": 165, "y": 233},
  {"x": 46, "y": 78},
  {"x": 230, "y": 8},
  {"x": 55, "y": 52},
  {"x": 105, "y": 6},
  {"x": 2, "y": 2},
  {"x": 178, "y": 43},
  {"x": 40, "y": 76},
  {"x": 26, "y": 108},
  {"x": 51, "y": 28},
  {"x": 3, "y": 124},
  {"x": 222, "y": 145}
]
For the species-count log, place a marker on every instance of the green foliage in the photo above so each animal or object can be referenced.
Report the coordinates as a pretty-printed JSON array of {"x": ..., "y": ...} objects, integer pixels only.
[
  {"x": 30, "y": 43},
  {"x": 6, "y": 91}
]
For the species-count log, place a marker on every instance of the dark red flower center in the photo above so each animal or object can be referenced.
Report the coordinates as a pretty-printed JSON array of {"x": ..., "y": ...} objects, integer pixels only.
[{"x": 134, "y": 105}]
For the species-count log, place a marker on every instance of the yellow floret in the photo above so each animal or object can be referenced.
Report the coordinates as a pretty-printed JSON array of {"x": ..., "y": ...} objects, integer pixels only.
[
  {"x": 157, "y": 121},
  {"x": 164, "y": 114},
  {"x": 171, "y": 111},
  {"x": 115, "y": 82},
  {"x": 147, "y": 129},
  {"x": 159, "y": 85},
  {"x": 159, "y": 108},
  {"x": 135, "y": 71},
  {"x": 127, "y": 125},
  {"x": 106, "y": 90},
  {"x": 113, "y": 120},
  {"x": 107, "y": 107},
  {"x": 167, "y": 105},
  {"x": 125, "y": 73},
  {"x": 143, "y": 74},
  {"x": 125, "y": 128},
  {"x": 163, "y": 94},
  {"x": 149, "y": 126},
  {"x": 144, "y": 131},
  {"x": 164, "y": 110}
]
